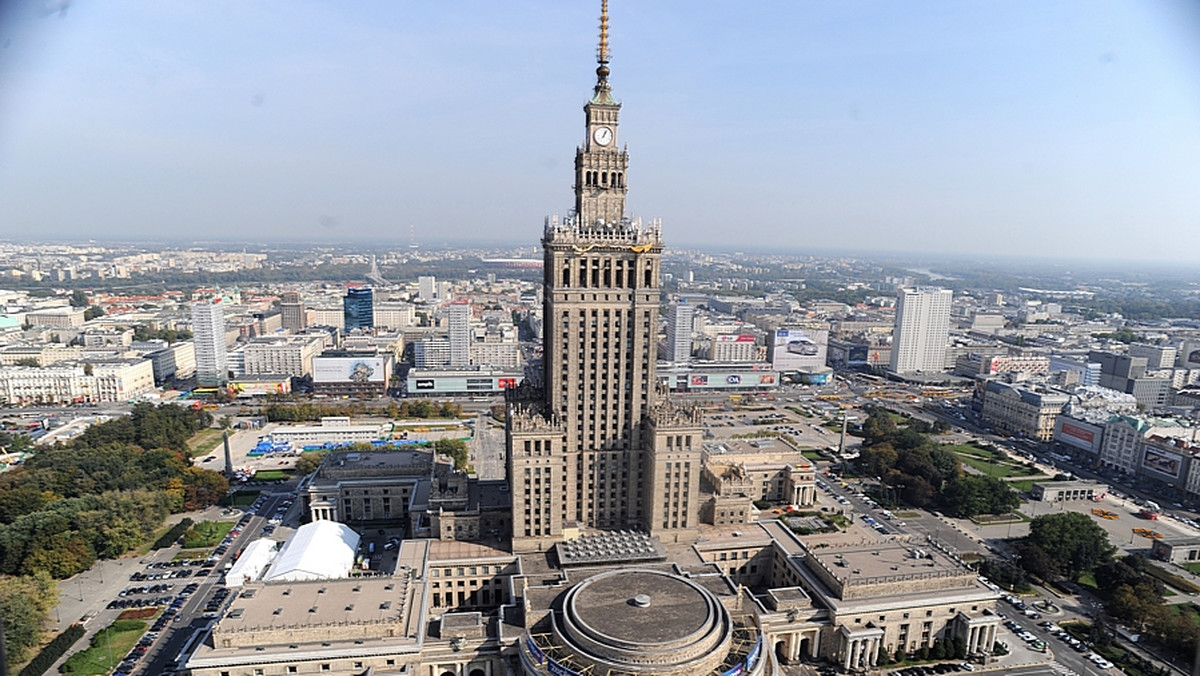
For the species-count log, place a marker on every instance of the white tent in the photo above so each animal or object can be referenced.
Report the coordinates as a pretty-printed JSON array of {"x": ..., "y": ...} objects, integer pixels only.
[
  {"x": 253, "y": 561},
  {"x": 317, "y": 551}
]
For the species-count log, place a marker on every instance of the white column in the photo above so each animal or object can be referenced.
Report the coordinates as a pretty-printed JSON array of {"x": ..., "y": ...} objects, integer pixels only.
[
  {"x": 849, "y": 654},
  {"x": 972, "y": 638},
  {"x": 873, "y": 651}
]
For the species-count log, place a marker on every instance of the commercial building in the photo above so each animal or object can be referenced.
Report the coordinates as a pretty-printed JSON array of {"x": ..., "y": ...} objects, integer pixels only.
[
  {"x": 353, "y": 374},
  {"x": 208, "y": 336},
  {"x": 1022, "y": 410},
  {"x": 733, "y": 348},
  {"x": 1068, "y": 491},
  {"x": 494, "y": 344},
  {"x": 922, "y": 330},
  {"x": 174, "y": 362},
  {"x": 331, "y": 430},
  {"x": 482, "y": 381},
  {"x": 56, "y": 318},
  {"x": 358, "y": 308},
  {"x": 293, "y": 314}
]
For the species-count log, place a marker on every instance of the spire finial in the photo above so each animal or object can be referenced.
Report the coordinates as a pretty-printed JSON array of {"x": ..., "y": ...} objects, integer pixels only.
[{"x": 602, "y": 52}]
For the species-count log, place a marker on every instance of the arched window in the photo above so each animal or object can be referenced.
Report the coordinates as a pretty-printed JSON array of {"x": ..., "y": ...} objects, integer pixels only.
[{"x": 567, "y": 275}]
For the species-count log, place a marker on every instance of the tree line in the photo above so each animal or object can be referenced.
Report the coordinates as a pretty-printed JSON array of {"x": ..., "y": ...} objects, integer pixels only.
[
  {"x": 305, "y": 411},
  {"x": 922, "y": 473}
]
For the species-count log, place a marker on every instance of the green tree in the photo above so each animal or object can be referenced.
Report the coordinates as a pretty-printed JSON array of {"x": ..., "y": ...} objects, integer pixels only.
[
  {"x": 308, "y": 462},
  {"x": 455, "y": 449},
  {"x": 1072, "y": 540},
  {"x": 25, "y": 603},
  {"x": 92, "y": 313}
]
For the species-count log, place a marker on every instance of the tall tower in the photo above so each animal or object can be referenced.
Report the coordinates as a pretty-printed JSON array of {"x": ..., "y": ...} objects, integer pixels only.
[
  {"x": 679, "y": 332},
  {"x": 208, "y": 334},
  {"x": 458, "y": 315},
  {"x": 358, "y": 308},
  {"x": 922, "y": 329},
  {"x": 600, "y": 448}
]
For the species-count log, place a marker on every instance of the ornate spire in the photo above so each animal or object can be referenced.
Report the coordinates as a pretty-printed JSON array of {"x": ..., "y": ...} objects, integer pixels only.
[{"x": 602, "y": 93}]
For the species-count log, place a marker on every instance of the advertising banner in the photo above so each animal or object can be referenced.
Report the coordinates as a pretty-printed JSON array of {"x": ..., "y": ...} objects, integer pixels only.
[
  {"x": 793, "y": 349},
  {"x": 349, "y": 370},
  {"x": 1162, "y": 461}
]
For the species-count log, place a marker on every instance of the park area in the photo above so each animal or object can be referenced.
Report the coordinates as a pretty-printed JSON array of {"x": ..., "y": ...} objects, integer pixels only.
[
  {"x": 990, "y": 462},
  {"x": 108, "y": 648}
]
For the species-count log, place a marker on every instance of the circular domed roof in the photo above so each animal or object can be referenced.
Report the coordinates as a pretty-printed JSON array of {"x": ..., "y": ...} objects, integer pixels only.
[
  {"x": 675, "y": 608},
  {"x": 644, "y": 621}
]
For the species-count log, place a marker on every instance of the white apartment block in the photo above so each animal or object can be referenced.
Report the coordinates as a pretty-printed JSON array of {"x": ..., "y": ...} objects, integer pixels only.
[
  {"x": 494, "y": 345},
  {"x": 458, "y": 319},
  {"x": 679, "y": 333},
  {"x": 290, "y": 355},
  {"x": 116, "y": 381},
  {"x": 394, "y": 315},
  {"x": 922, "y": 330},
  {"x": 208, "y": 335}
]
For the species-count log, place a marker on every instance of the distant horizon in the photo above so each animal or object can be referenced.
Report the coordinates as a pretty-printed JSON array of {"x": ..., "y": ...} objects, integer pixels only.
[{"x": 367, "y": 246}]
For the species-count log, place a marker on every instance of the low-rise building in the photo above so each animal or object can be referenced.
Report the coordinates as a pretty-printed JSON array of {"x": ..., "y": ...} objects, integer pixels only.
[{"x": 1021, "y": 410}]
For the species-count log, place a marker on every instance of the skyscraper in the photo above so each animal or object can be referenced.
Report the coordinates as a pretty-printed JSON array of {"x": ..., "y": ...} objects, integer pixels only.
[
  {"x": 679, "y": 332},
  {"x": 293, "y": 316},
  {"x": 358, "y": 308},
  {"x": 922, "y": 329},
  {"x": 601, "y": 447},
  {"x": 459, "y": 316},
  {"x": 208, "y": 334}
]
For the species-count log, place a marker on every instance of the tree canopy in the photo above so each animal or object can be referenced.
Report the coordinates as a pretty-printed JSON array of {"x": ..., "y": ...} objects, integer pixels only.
[{"x": 1072, "y": 543}]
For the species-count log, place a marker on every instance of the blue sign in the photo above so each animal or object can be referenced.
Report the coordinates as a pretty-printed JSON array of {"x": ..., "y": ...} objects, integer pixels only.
[
  {"x": 755, "y": 652},
  {"x": 535, "y": 650},
  {"x": 558, "y": 670},
  {"x": 736, "y": 671}
]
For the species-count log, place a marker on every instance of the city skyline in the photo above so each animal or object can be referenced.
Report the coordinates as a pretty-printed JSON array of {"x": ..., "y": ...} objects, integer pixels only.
[{"x": 933, "y": 128}]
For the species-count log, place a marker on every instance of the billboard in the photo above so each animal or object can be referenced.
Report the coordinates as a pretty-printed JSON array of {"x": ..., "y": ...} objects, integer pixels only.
[
  {"x": 793, "y": 349},
  {"x": 1162, "y": 461},
  {"x": 1077, "y": 433},
  {"x": 350, "y": 369}
]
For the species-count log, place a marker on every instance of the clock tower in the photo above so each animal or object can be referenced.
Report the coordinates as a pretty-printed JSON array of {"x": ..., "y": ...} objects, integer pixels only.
[{"x": 600, "y": 165}]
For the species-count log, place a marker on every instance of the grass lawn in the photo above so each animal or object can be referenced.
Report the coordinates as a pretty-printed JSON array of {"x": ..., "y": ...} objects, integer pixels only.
[
  {"x": 205, "y": 442},
  {"x": 243, "y": 498},
  {"x": 1023, "y": 485},
  {"x": 206, "y": 534},
  {"x": 993, "y": 468},
  {"x": 109, "y": 647},
  {"x": 273, "y": 475},
  {"x": 1088, "y": 580},
  {"x": 187, "y": 554},
  {"x": 813, "y": 455},
  {"x": 1193, "y": 566}
]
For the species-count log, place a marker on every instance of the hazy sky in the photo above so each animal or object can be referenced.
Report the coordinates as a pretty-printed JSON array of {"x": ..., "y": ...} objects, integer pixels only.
[{"x": 1052, "y": 128}]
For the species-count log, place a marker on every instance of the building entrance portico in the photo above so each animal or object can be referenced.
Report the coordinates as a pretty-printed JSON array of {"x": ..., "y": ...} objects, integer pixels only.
[{"x": 858, "y": 650}]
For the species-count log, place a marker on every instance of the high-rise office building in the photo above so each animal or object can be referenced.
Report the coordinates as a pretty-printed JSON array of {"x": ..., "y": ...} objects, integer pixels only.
[
  {"x": 293, "y": 316},
  {"x": 922, "y": 329},
  {"x": 427, "y": 288},
  {"x": 208, "y": 335},
  {"x": 601, "y": 447},
  {"x": 358, "y": 307},
  {"x": 458, "y": 315},
  {"x": 679, "y": 332}
]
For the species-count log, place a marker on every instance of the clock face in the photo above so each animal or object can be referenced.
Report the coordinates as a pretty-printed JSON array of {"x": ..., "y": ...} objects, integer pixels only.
[{"x": 602, "y": 136}]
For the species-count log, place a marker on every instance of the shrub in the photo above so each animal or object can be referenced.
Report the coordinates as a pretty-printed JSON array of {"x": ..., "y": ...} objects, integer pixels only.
[{"x": 53, "y": 650}]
